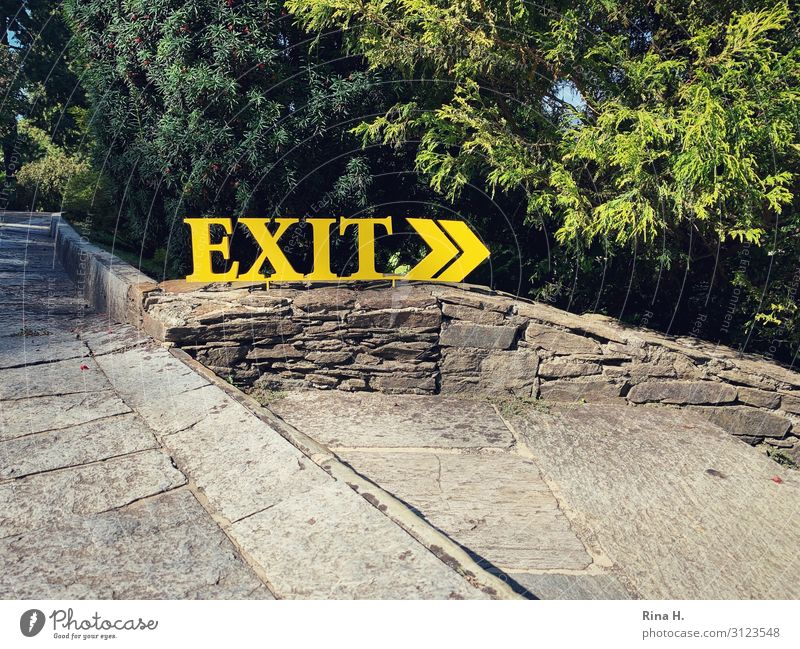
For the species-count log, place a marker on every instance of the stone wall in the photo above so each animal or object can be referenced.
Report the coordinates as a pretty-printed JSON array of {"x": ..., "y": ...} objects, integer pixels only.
[{"x": 431, "y": 338}]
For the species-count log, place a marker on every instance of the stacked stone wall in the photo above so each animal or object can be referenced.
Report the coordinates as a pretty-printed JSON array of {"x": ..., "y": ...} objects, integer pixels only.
[{"x": 433, "y": 338}]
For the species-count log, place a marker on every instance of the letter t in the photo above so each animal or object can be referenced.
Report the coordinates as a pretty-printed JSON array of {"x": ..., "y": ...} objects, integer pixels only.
[{"x": 366, "y": 244}]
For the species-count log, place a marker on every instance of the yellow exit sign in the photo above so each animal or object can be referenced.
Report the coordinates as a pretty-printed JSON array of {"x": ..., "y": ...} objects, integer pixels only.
[{"x": 455, "y": 251}]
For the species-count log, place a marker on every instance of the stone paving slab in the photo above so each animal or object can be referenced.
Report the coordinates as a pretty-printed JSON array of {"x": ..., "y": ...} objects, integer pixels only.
[
  {"x": 15, "y": 323},
  {"x": 14, "y": 241},
  {"x": 21, "y": 256},
  {"x": 56, "y": 449},
  {"x": 498, "y": 506},
  {"x": 24, "y": 254},
  {"x": 270, "y": 491},
  {"x": 20, "y": 351},
  {"x": 30, "y": 296},
  {"x": 24, "y": 286},
  {"x": 168, "y": 395},
  {"x": 45, "y": 379},
  {"x": 42, "y": 300},
  {"x": 45, "y": 499},
  {"x": 14, "y": 264},
  {"x": 338, "y": 419},
  {"x": 19, "y": 252},
  {"x": 38, "y": 286},
  {"x": 27, "y": 218},
  {"x": 163, "y": 547},
  {"x": 583, "y": 587},
  {"x": 29, "y": 416},
  {"x": 145, "y": 376},
  {"x": 40, "y": 308},
  {"x": 181, "y": 411},
  {"x": 27, "y": 235},
  {"x": 240, "y": 464},
  {"x": 39, "y": 276},
  {"x": 103, "y": 337},
  {"x": 684, "y": 510},
  {"x": 343, "y": 551}
]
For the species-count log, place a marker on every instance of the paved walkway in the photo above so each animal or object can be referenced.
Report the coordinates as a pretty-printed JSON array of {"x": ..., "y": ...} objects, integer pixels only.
[
  {"x": 460, "y": 465},
  {"x": 126, "y": 471},
  {"x": 576, "y": 501}
]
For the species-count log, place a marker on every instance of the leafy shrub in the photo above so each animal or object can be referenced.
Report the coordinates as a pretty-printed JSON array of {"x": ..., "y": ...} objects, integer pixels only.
[
  {"x": 43, "y": 182},
  {"x": 89, "y": 197},
  {"x": 55, "y": 180}
]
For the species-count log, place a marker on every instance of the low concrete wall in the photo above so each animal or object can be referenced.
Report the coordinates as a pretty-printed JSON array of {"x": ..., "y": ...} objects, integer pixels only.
[
  {"x": 436, "y": 338},
  {"x": 109, "y": 284}
]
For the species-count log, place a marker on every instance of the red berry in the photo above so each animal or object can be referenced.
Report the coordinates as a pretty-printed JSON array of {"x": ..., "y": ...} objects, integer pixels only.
[
  {"x": 146, "y": 62},
  {"x": 111, "y": 46},
  {"x": 137, "y": 39},
  {"x": 84, "y": 366},
  {"x": 260, "y": 66}
]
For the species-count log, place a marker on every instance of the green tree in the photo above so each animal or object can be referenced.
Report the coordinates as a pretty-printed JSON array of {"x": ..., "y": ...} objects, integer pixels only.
[
  {"x": 10, "y": 94},
  {"x": 663, "y": 129},
  {"x": 44, "y": 179},
  {"x": 36, "y": 82},
  {"x": 681, "y": 115},
  {"x": 218, "y": 107}
]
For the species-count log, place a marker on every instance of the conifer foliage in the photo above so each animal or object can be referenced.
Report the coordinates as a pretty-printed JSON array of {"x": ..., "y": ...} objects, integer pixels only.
[
  {"x": 635, "y": 157},
  {"x": 658, "y": 139},
  {"x": 679, "y": 112},
  {"x": 205, "y": 107}
]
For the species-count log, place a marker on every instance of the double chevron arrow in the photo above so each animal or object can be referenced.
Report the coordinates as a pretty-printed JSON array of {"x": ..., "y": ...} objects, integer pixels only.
[{"x": 445, "y": 249}]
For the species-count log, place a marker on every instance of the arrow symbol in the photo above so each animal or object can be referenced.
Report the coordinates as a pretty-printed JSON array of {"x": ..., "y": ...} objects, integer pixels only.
[{"x": 444, "y": 250}]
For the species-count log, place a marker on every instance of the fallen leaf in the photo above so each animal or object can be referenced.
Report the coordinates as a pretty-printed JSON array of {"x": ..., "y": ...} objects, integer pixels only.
[{"x": 776, "y": 479}]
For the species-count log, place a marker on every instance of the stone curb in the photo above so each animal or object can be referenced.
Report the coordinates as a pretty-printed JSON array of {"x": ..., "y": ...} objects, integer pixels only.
[{"x": 435, "y": 541}]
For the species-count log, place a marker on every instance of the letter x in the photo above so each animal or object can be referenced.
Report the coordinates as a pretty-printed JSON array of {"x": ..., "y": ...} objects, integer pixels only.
[{"x": 270, "y": 251}]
